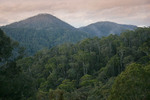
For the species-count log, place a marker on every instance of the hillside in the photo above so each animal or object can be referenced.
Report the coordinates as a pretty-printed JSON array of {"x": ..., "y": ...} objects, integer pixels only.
[
  {"x": 43, "y": 31},
  {"x": 106, "y": 28},
  {"x": 46, "y": 31},
  {"x": 108, "y": 68}
]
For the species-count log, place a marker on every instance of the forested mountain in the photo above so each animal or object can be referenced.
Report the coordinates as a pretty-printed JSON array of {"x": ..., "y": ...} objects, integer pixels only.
[
  {"x": 46, "y": 31},
  {"x": 107, "y": 68},
  {"x": 43, "y": 31},
  {"x": 106, "y": 28},
  {"x": 115, "y": 67}
]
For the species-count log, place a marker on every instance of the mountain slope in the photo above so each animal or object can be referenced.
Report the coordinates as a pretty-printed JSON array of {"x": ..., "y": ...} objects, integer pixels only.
[
  {"x": 42, "y": 31},
  {"x": 92, "y": 69},
  {"x": 105, "y": 28}
]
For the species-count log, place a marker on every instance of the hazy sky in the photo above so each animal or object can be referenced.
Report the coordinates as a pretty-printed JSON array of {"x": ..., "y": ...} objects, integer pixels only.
[{"x": 78, "y": 12}]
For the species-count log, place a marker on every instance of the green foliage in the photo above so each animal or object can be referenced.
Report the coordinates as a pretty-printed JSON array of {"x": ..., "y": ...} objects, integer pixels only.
[
  {"x": 14, "y": 84},
  {"x": 87, "y": 70},
  {"x": 92, "y": 69},
  {"x": 87, "y": 80},
  {"x": 67, "y": 85},
  {"x": 6, "y": 46},
  {"x": 56, "y": 94},
  {"x": 133, "y": 83}
]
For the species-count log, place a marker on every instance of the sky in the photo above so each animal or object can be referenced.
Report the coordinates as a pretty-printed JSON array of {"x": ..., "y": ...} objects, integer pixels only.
[{"x": 78, "y": 12}]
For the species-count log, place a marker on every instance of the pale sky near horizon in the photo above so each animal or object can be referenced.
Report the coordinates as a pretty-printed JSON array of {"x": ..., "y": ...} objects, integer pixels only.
[{"x": 78, "y": 12}]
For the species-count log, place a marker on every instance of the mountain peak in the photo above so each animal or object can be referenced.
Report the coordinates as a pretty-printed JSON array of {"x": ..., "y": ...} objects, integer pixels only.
[
  {"x": 39, "y": 21},
  {"x": 43, "y": 16},
  {"x": 109, "y": 23},
  {"x": 106, "y": 22}
]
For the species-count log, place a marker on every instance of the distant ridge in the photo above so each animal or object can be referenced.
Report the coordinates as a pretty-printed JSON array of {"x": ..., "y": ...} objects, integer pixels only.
[{"x": 105, "y": 28}]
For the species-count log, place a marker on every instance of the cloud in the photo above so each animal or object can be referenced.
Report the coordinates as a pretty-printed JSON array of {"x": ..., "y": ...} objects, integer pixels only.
[
  {"x": 3, "y": 21},
  {"x": 78, "y": 12}
]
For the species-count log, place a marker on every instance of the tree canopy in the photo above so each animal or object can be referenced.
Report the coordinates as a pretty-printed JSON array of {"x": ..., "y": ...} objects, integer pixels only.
[{"x": 116, "y": 67}]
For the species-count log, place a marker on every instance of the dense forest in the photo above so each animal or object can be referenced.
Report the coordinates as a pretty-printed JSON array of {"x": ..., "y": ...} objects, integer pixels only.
[{"x": 116, "y": 67}]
